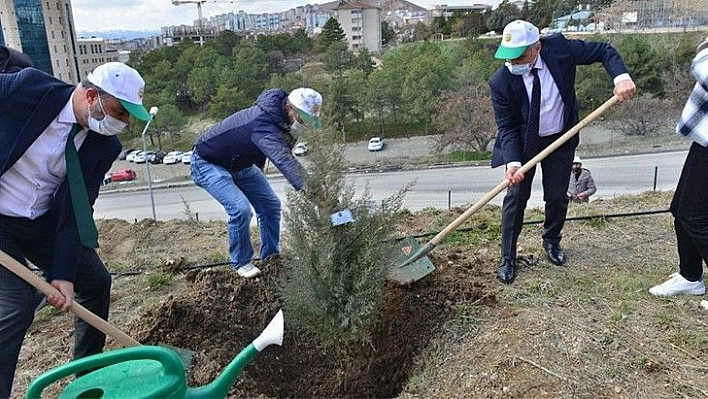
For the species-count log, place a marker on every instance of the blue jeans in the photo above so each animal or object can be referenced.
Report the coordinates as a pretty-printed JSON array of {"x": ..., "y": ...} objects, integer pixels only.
[{"x": 237, "y": 192}]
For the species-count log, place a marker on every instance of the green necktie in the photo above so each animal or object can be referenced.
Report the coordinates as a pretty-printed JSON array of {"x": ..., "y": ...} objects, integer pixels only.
[{"x": 79, "y": 198}]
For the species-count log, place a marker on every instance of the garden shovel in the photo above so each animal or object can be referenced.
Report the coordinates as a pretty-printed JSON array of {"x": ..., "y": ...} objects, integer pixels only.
[
  {"x": 420, "y": 254},
  {"x": 86, "y": 315}
]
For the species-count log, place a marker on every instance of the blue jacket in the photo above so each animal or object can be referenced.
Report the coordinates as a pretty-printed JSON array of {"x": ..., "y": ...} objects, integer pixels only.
[
  {"x": 29, "y": 102},
  {"x": 250, "y": 136},
  {"x": 510, "y": 99}
]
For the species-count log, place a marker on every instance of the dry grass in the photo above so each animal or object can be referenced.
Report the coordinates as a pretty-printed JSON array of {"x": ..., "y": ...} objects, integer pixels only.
[{"x": 587, "y": 330}]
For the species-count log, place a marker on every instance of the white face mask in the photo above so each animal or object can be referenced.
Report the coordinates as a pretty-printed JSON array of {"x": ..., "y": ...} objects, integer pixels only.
[
  {"x": 108, "y": 126},
  {"x": 518, "y": 69},
  {"x": 297, "y": 128}
]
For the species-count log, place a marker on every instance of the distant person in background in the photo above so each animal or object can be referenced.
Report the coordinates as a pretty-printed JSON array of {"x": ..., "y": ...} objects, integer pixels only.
[
  {"x": 228, "y": 159},
  {"x": 690, "y": 203},
  {"x": 534, "y": 101},
  {"x": 581, "y": 185}
]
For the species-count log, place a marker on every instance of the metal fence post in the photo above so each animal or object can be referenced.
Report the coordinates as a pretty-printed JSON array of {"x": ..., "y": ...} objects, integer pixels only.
[{"x": 656, "y": 173}]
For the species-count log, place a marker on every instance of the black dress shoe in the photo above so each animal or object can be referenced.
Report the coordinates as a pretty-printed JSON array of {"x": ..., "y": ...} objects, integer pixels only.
[
  {"x": 555, "y": 253},
  {"x": 506, "y": 272}
]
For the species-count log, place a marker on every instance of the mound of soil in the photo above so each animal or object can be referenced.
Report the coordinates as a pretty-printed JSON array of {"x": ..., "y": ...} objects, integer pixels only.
[{"x": 219, "y": 313}]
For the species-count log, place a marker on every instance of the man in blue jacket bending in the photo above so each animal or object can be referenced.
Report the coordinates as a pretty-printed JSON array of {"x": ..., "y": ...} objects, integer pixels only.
[{"x": 228, "y": 159}]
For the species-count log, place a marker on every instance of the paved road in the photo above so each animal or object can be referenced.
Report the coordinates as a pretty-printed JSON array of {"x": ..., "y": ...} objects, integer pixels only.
[{"x": 437, "y": 188}]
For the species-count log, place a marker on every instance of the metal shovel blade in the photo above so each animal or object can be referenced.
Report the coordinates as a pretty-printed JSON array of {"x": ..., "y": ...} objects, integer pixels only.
[{"x": 412, "y": 271}]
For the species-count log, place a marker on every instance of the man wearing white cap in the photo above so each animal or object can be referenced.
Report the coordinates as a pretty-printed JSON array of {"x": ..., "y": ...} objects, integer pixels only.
[
  {"x": 581, "y": 184},
  {"x": 47, "y": 189},
  {"x": 534, "y": 101},
  {"x": 227, "y": 162}
]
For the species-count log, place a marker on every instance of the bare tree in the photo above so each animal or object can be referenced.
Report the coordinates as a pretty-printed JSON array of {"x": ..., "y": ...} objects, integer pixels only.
[
  {"x": 465, "y": 122},
  {"x": 644, "y": 116},
  {"x": 678, "y": 83}
]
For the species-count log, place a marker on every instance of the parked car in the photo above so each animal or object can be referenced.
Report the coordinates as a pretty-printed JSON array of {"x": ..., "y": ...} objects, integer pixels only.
[
  {"x": 187, "y": 157},
  {"x": 376, "y": 144},
  {"x": 124, "y": 154},
  {"x": 157, "y": 157},
  {"x": 143, "y": 156},
  {"x": 173, "y": 157},
  {"x": 125, "y": 174},
  {"x": 131, "y": 155},
  {"x": 301, "y": 149}
]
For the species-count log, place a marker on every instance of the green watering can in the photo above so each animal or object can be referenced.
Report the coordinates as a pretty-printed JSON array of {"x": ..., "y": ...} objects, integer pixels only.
[{"x": 149, "y": 372}]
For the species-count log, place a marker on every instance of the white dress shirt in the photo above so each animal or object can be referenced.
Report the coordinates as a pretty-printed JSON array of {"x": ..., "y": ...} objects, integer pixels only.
[{"x": 28, "y": 187}]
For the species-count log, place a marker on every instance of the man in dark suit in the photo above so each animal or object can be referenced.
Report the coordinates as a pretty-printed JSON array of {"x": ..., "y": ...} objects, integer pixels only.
[
  {"x": 534, "y": 102},
  {"x": 42, "y": 120}
]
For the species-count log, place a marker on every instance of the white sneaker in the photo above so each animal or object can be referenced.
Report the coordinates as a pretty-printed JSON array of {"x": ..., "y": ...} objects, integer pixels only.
[
  {"x": 677, "y": 285},
  {"x": 248, "y": 270}
]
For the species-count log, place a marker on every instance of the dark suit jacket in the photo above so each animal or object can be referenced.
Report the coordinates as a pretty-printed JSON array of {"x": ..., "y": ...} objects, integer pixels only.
[
  {"x": 29, "y": 101},
  {"x": 510, "y": 99}
]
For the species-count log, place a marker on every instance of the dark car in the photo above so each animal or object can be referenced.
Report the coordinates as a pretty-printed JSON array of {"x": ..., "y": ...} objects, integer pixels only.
[
  {"x": 125, "y": 153},
  {"x": 157, "y": 157}
]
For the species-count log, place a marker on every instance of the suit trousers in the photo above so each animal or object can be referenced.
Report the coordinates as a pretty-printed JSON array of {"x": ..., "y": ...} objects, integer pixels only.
[
  {"x": 555, "y": 170},
  {"x": 33, "y": 240},
  {"x": 690, "y": 209}
]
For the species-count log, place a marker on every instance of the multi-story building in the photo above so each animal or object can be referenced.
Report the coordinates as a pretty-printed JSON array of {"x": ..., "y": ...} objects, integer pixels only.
[
  {"x": 44, "y": 30},
  {"x": 92, "y": 53},
  {"x": 361, "y": 23}
]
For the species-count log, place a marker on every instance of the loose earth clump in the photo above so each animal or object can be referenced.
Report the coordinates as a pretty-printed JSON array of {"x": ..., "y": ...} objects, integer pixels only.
[{"x": 219, "y": 313}]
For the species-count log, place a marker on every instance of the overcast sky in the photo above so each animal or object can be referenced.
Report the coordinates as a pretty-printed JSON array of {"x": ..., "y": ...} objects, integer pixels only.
[{"x": 153, "y": 14}]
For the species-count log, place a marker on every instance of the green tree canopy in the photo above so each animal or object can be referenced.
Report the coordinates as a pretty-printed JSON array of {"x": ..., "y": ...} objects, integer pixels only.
[{"x": 332, "y": 32}]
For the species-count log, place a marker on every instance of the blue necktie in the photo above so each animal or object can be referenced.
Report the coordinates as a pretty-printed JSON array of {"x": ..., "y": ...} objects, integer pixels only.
[
  {"x": 532, "y": 137},
  {"x": 79, "y": 197}
]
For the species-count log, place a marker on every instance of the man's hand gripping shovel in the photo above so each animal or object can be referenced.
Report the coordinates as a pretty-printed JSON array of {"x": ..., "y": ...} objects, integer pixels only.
[
  {"x": 416, "y": 266},
  {"x": 47, "y": 289}
]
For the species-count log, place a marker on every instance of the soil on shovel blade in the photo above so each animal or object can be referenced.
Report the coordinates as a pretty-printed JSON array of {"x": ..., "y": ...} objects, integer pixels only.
[{"x": 220, "y": 313}]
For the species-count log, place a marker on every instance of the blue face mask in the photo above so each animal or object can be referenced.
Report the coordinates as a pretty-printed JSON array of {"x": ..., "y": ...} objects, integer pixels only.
[{"x": 518, "y": 69}]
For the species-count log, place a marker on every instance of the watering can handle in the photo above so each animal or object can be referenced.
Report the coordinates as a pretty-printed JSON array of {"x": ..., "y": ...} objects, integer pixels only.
[{"x": 167, "y": 358}]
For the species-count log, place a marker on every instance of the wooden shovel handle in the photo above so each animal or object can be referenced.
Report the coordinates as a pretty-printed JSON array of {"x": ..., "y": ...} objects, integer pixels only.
[
  {"x": 525, "y": 168},
  {"x": 47, "y": 289}
]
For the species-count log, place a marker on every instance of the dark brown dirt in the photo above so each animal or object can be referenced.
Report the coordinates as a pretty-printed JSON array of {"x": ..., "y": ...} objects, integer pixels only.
[{"x": 220, "y": 313}]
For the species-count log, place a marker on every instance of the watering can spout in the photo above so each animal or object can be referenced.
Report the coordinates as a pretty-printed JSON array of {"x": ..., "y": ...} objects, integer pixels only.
[
  {"x": 273, "y": 333},
  {"x": 219, "y": 388}
]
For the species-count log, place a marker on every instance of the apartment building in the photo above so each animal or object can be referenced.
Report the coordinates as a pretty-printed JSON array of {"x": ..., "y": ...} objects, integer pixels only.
[
  {"x": 361, "y": 23},
  {"x": 92, "y": 53},
  {"x": 44, "y": 30}
]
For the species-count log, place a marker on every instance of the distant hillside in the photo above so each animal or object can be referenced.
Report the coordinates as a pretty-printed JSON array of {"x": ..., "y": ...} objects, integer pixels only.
[
  {"x": 384, "y": 5},
  {"x": 118, "y": 34}
]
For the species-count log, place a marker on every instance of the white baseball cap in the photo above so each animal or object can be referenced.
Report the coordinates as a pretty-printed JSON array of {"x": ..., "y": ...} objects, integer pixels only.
[
  {"x": 577, "y": 159},
  {"x": 123, "y": 83},
  {"x": 516, "y": 37},
  {"x": 308, "y": 103}
]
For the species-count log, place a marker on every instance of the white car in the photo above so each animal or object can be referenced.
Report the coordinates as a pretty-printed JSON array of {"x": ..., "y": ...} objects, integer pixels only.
[
  {"x": 187, "y": 157},
  {"x": 131, "y": 155},
  {"x": 143, "y": 157},
  {"x": 376, "y": 144},
  {"x": 172, "y": 157},
  {"x": 301, "y": 149}
]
